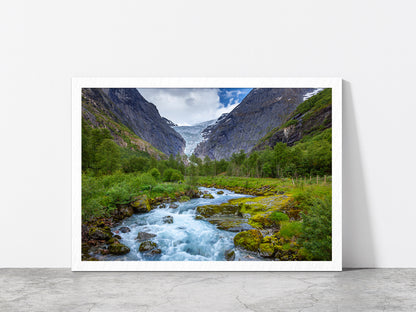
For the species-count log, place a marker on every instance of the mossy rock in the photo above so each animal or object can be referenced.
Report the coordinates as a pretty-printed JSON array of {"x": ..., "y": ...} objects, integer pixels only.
[
  {"x": 249, "y": 240},
  {"x": 212, "y": 210},
  {"x": 184, "y": 199},
  {"x": 100, "y": 233},
  {"x": 112, "y": 240},
  {"x": 224, "y": 216},
  {"x": 266, "y": 250},
  {"x": 124, "y": 229},
  {"x": 154, "y": 252},
  {"x": 147, "y": 246},
  {"x": 229, "y": 255},
  {"x": 261, "y": 204},
  {"x": 125, "y": 211},
  {"x": 220, "y": 192},
  {"x": 208, "y": 196},
  {"x": 141, "y": 204},
  {"x": 118, "y": 249},
  {"x": 260, "y": 221},
  {"x": 270, "y": 240}
]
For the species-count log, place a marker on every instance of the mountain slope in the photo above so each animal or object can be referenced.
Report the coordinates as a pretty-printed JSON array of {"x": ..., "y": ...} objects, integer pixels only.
[
  {"x": 310, "y": 118},
  {"x": 127, "y": 107},
  {"x": 259, "y": 112}
]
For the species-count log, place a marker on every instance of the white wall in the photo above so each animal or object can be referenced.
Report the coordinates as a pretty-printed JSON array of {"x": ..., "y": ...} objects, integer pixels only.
[{"x": 368, "y": 43}]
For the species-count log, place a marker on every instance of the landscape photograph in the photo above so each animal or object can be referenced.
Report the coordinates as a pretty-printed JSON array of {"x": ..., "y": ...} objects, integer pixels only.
[{"x": 206, "y": 174}]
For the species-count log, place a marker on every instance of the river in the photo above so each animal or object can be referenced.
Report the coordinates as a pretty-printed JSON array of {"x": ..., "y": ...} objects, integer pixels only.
[{"x": 185, "y": 239}]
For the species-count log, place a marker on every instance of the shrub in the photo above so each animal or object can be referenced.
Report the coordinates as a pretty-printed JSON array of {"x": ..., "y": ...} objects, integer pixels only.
[
  {"x": 176, "y": 176},
  {"x": 317, "y": 230},
  {"x": 278, "y": 216},
  {"x": 144, "y": 181},
  {"x": 155, "y": 173},
  {"x": 172, "y": 175}
]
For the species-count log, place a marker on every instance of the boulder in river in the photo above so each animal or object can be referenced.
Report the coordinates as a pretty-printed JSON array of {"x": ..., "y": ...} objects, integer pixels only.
[
  {"x": 147, "y": 246},
  {"x": 168, "y": 219},
  {"x": 220, "y": 192},
  {"x": 173, "y": 206},
  {"x": 142, "y": 236},
  {"x": 229, "y": 255},
  {"x": 154, "y": 252},
  {"x": 208, "y": 196},
  {"x": 117, "y": 248},
  {"x": 141, "y": 204},
  {"x": 224, "y": 216},
  {"x": 124, "y": 229}
]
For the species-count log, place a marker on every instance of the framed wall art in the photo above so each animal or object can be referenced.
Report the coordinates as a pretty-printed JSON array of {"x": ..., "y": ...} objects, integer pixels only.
[{"x": 207, "y": 174}]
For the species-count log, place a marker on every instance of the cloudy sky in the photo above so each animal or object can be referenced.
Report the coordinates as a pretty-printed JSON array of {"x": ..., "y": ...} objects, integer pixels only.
[{"x": 191, "y": 106}]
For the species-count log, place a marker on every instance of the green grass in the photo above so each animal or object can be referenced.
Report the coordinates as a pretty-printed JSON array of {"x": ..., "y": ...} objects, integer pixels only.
[
  {"x": 102, "y": 194},
  {"x": 289, "y": 229}
]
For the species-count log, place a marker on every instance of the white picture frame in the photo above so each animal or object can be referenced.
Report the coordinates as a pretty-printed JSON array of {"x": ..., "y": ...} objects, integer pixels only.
[{"x": 334, "y": 83}]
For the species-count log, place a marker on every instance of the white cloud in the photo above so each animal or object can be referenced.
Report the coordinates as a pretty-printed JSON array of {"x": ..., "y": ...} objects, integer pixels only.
[{"x": 187, "y": 106}]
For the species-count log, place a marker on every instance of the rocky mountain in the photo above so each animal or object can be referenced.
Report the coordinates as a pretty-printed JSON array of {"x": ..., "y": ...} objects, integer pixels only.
[
  {"x": 260, "y": 111},
  {"x": 310, "y": 118},
  {"x": 128, "y": 109},
  {"x": 193, "y": 134},
  {"x": 169, "y": 122}
]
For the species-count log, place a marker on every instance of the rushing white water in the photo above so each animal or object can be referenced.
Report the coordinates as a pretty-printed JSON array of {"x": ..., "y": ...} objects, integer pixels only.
[{"x": 186, "y": 239}]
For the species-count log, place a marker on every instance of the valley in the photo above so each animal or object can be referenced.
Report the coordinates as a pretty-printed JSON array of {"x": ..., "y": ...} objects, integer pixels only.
[{"x": 254, "y": 184}]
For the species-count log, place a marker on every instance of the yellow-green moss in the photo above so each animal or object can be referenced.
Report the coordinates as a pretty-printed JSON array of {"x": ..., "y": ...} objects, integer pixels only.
[
  {"x": 249, "y": 240},
  {"x": 266, "y": 250},
  {"x": 141, "y": 204}
]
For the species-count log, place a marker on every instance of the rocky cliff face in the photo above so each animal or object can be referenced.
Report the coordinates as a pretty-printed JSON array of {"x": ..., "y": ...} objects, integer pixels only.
[
  {"x": 260, "y": 111},
  {"x": 128, "y": 107},
  {"x": 309, "y": 118}
]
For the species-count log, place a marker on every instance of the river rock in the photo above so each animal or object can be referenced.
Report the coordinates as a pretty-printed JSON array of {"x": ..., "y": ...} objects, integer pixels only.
[
  {"x": 147, "y": 246},
  {"x": 125, "y": 211},
  {"x": 124, "y": 229},
  {"x": 224, "y": 216},
  {"x": 141, "y": 204},
  {"x": 208, "y": 196},
  {"x": 173, "y": 206},
  {"x": 229, "y": 255},
  {"x": 154, "y": 252},
  {"x": 117, "y": 248},
  {"x": 168, "y": 219},
  {"x": 220, "y": 192},
  {"x": 142, "y": 236},
  {"x": 100, "y": 233}
]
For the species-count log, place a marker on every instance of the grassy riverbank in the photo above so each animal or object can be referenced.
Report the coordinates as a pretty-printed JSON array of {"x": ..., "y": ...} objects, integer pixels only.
[
  {"x": 291, "y": 218},
  {"x": 101, "y": 195}
]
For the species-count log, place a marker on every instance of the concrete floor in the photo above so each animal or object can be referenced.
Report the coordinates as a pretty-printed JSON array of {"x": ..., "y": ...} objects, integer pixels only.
[{"x": 352, "y": 290}]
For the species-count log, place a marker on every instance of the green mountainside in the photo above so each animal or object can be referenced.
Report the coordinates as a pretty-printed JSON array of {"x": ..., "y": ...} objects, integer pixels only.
[{"x": 310, "y": 118}]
